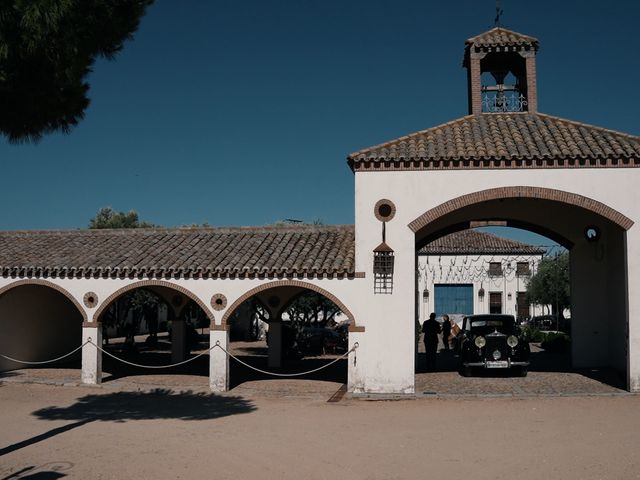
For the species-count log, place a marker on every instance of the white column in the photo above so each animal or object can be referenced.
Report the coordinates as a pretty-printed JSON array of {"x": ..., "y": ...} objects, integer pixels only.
[
  {"x": 275, "y": 345},
  {"x": 633, "y": 295},
  {"x": 178, "y": 341},
  {"x": 355, "y": 378},
  {"x": 219, "y": 361},
  {"x": 91, "y": 356}
]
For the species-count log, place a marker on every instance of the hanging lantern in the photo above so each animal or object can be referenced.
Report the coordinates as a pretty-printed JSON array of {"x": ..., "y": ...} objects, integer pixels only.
[
  {"x": 481, "y": 293},
  {"x": 425, "y": 295},
  {"x": 383, "y": 260},
  {"x": 383, "y": 268}
]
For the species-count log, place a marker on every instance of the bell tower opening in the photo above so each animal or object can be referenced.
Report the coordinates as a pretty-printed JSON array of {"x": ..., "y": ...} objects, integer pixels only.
[{"x": 501, "y": 72}]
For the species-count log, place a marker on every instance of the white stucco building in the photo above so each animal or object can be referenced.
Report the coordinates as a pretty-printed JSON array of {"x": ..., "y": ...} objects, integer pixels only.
[
  {"x": 472, "y": 272},
  {"x": 503, "y": 162}
]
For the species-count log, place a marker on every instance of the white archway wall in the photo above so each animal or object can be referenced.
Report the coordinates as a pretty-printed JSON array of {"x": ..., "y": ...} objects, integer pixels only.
[
  {"x": 415, "y": 192},
  {"x": 37, "y": 323},
  {"x": 346, "y": 290}
]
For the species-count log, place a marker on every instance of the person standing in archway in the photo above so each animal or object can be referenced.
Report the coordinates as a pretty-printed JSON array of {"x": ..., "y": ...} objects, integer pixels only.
[
  {"x": 446, "y": 331},
  {"x": 431, "y": 329}
]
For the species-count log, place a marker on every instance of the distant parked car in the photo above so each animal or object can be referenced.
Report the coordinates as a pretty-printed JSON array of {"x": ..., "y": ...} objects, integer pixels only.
[
  {"x": 551, "y": 322},
  {"x": 492, "y": 342},
  {"x": 321, "y": 340}
]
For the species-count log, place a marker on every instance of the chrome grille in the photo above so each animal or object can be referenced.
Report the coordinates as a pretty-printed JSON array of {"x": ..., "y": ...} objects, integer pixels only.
[{"x": 496, "y": 343}]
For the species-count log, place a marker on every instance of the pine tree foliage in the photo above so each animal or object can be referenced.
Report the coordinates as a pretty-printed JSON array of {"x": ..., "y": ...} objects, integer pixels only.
[{"x": 47, "y": 49}]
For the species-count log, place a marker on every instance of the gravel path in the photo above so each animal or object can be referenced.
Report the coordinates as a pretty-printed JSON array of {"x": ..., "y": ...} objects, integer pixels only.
[{"x": 88, "y": 433}]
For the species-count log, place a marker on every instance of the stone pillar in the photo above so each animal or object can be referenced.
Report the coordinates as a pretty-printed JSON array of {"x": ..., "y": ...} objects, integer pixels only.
[
  {"x": 218, "y": 360},
  {"x": 91, "y": 356},
  {"x": 178, "y": 341},
  {"x": 275, "y": 344},
  {"x": 532, "y": 82},
  {"x": 474, "y": 80}
]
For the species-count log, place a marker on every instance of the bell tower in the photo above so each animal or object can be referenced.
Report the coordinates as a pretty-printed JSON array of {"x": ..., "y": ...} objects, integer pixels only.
[{"x": 501, "y": 72}]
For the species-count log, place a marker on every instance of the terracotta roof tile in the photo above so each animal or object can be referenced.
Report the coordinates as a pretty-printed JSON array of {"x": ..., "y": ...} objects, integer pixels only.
[
  {"x": 483, "y": 141},
  {"x": 211, "y": 252},
  {"x": 476, "y": 242},
  {"x": 501, "y": 37}
]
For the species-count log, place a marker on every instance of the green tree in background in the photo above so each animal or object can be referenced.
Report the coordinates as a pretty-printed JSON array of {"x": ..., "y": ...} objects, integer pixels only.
[
  {"x": 47, "y": 49},
  {"x": 107, "y": 217},
  {"x": 551, "y": 285},
  {"x": 128, "y": 311}
]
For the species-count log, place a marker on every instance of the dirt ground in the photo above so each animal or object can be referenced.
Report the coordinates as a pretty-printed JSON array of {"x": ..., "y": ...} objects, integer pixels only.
[{"x": 51, "y": 432}]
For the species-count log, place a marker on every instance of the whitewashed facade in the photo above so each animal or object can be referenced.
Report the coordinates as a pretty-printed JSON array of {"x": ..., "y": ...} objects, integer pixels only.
[
  {"x": 481, "y": 282},
  {"x": 574, "y": 183}
]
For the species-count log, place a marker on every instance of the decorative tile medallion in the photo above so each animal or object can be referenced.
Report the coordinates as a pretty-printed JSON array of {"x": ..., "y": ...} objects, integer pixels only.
[
  {"x": 218, "y": 302},
  {"x": 90, "y": 299}
]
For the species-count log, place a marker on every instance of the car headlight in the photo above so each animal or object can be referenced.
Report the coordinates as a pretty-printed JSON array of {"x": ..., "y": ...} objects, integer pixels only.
[
  {"x": 480, "y": 342},
  {"x": 512, "y": 341}
]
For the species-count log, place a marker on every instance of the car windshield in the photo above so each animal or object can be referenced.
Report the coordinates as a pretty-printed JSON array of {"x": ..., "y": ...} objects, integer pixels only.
[{"x": 483, "y": 326}]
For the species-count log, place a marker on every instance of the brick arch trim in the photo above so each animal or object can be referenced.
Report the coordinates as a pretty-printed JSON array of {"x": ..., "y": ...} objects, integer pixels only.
[
  {"x": 521, "y": 192},
  {"x": 291, "y": 283},
  {"x": 152, "y": 283},
  {"x": 46, "y": 283}
]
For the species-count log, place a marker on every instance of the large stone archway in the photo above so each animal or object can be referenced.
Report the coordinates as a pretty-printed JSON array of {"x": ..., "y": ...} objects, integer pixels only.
[
  {"x": 293, "y": 284},
  {"x": 600, "y": 311},
  {"x": 92, "y": 356},
  {"x": 39, "y": 320},
  {"x": 161, "y": 285},
  {"x": 287, "y": 290},
  {"x": 46, "y": 283},
  {"x": 502, "y": 193}
]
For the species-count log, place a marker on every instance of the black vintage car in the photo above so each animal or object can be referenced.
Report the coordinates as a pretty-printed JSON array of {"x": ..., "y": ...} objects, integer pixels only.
[{"x": 492, "y": 341}]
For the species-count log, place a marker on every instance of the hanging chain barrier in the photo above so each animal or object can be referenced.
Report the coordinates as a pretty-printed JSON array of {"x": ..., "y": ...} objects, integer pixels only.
[
  {"x": 217, "y": 345},
  {"x": 275, "y": 374},
  {"x": 171, "y": 365},
  {"x": 43, "y": 362}
]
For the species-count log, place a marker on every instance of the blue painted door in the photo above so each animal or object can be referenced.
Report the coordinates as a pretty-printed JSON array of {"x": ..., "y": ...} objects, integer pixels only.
[{"x": 454, "y": 299}]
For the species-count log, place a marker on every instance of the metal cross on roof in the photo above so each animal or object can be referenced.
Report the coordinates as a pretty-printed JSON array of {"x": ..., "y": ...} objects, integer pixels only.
[{"x": 499, "y": 13}]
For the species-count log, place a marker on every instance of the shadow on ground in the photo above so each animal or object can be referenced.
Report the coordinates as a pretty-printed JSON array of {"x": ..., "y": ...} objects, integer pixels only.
[
  {"x": 541, "y": 361},
  {"x": 239, "y": 374},
  {"x": 127, "y": 406},
  {"x": 119, "y": 370},
  {"x": 47, "y": 471},
  {"x": 156, "y": 404},
  {"x": 7, "y": 374}
]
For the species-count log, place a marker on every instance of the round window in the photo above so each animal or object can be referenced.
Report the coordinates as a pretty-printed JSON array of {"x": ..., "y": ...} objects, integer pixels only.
[{"x": 384, "y": 210}]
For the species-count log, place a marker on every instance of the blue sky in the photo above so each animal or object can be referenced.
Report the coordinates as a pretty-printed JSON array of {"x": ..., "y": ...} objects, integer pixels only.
[{"x": 243, "y": 112}]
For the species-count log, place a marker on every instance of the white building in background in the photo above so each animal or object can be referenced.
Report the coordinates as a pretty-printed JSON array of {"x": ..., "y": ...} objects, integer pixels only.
[{"x": 472, "y": 272}]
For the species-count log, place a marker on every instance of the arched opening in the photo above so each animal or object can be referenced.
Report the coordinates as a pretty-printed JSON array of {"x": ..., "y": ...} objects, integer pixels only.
[
  {"x": 154, "y": 323},
  {"x": 39, "y": 321},
  {"x": 589, "y": 237},
  {"x": 289, "y": 327}
]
